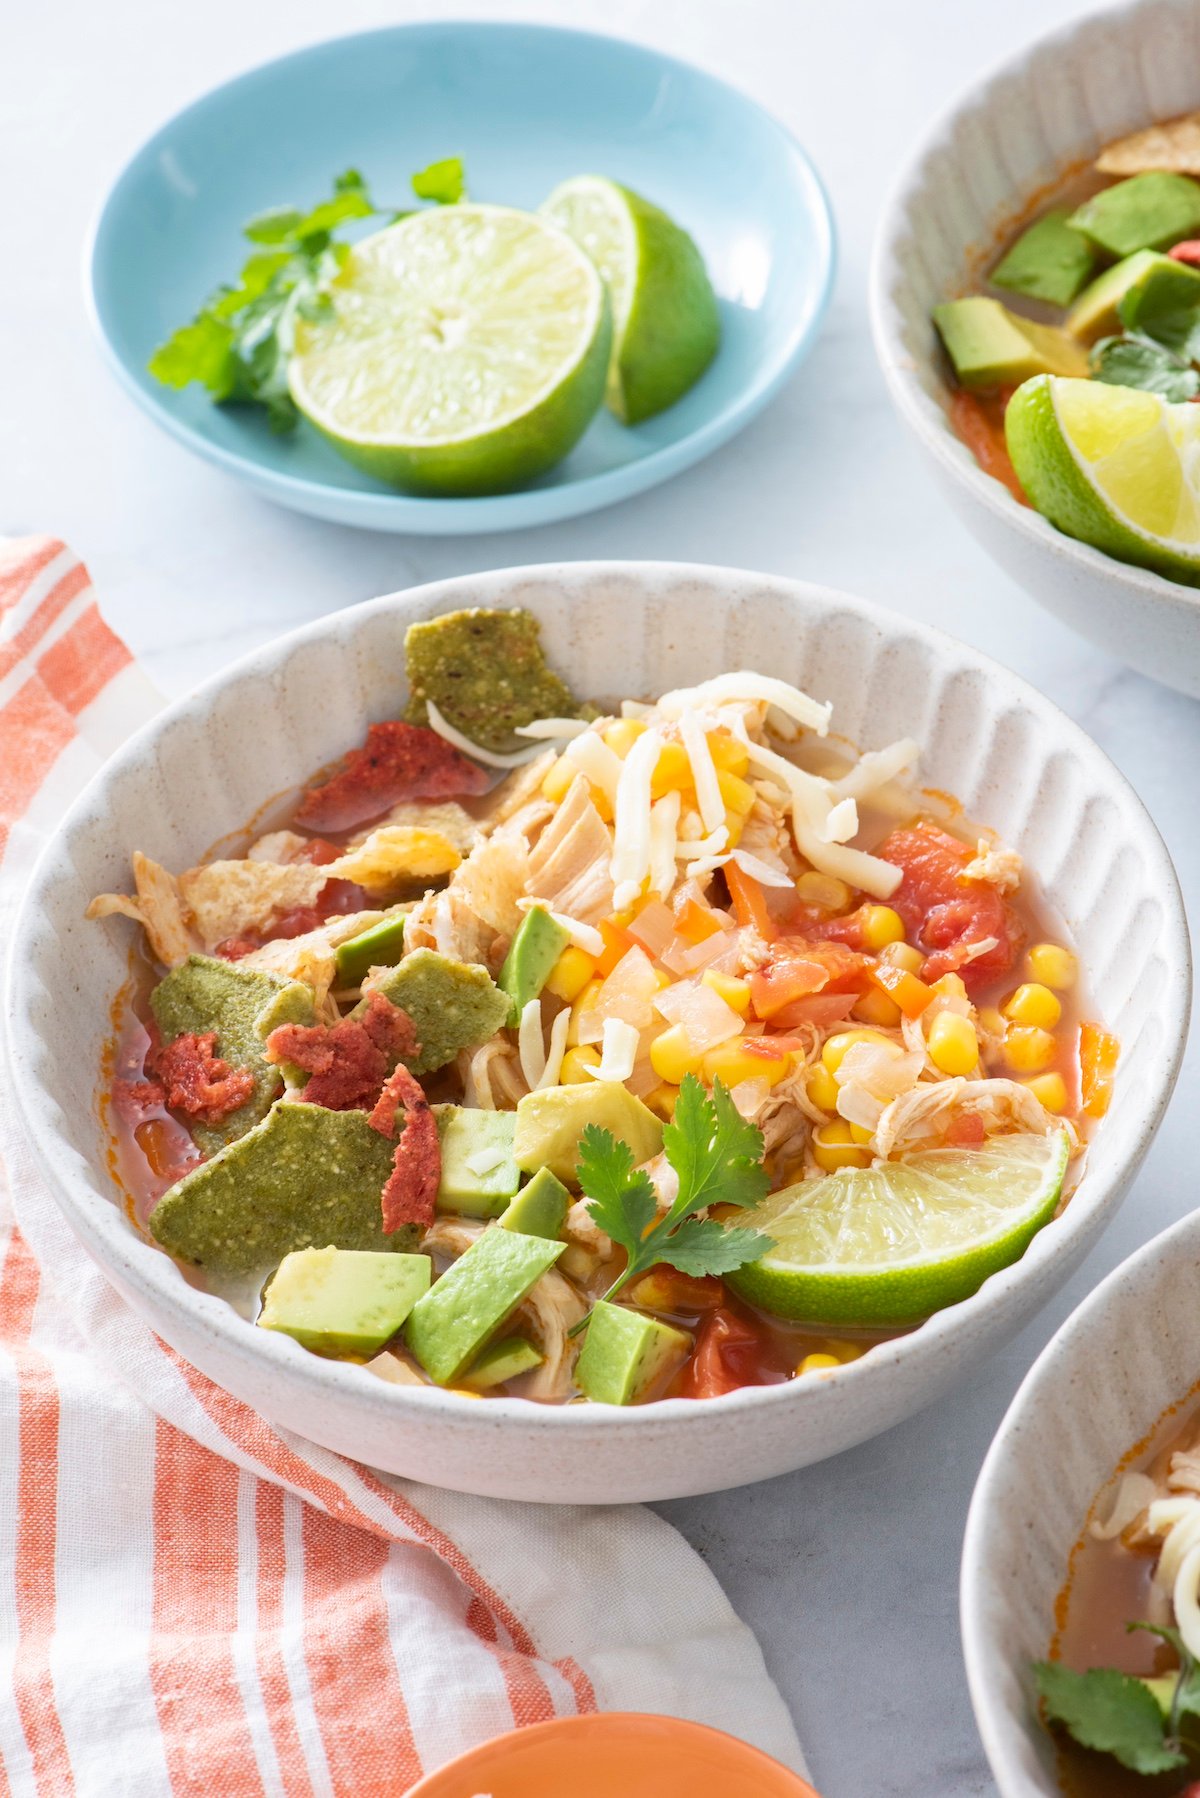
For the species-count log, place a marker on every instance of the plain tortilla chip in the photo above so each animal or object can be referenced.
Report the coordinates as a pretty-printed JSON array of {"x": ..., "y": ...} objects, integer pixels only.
[
  {"x": 396, "y": 853},
  {"x": 228, "y": 898},
  {"x": 158, "y": 908},
  {"x": 1174, "y": 145},
  {"x": 446, "y": 817}
]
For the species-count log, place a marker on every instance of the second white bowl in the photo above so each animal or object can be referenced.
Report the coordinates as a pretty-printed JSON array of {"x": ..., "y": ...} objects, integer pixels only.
[
  {"x": 1042, "y": 112},
  {"x": 613, "y": 629}
]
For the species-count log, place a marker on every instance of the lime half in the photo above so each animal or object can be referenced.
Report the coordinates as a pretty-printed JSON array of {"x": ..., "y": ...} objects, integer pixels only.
[
  {"x": 666, "y": 326},
  {"x": 1114, "y": 466},
  {"x": 891, "y": 1244},
  {"x": 465, "y": 351}
]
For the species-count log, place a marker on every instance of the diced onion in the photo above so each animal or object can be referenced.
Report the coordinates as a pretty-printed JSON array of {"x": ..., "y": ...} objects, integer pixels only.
[
  {"x": 477, "y": 753},
  {"x": 654, "y": 926},
  {"x": 628, "y": 994},
  {"x": 704, "y": 1016},
  {"x": 842, "y": 822},
  {"x": 759, "y": 870}
]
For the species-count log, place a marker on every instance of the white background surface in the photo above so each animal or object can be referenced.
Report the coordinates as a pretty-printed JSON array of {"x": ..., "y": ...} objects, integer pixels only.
[{"x": 848, "y": 1572}]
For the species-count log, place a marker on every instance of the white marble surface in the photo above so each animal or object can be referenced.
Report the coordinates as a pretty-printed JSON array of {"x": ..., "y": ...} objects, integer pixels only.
[{"x": 848, "y": 1571}]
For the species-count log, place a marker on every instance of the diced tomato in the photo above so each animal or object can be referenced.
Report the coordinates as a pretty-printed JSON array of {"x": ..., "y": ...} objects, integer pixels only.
[
  {"x": 945, "y": 912},
  {"x": 749, "y": 902},
  {"x": 799, "y": 968},
  {"x": 966, "y": 1132},
  {"x": 1098, "y": 1052},
  {"x": 320, "y": 852},
  {"x": 397, "y": 761},
  {"x": 728, "y": 1354},
  {"x": 847, "y": 929},
  {"x": 1187, "y": 251},
  {"x": 617, "y": 944},
  {"x": 666, "y": 1289}
]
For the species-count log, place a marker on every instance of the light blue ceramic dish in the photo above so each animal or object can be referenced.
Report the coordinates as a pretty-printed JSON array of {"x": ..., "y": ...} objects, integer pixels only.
[{"x": 526, "y": 106}]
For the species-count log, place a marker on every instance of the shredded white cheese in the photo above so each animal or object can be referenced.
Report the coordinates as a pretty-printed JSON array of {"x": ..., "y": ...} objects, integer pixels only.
[
  {"x": 488, "y": 757},
  {"x": 530, "y": 1044},
  {"x": 664, "y": 820},
  {"x": 483, "y": 1161},
  {"x": 556, "y": 1050},
  {"x": 618, "y": 1051},
  {"x": 745, "y": 685},
  {"x": 631, "y": 828},
  {"x": 761, "y": 871},
  {"x": 592, "y": 756},
  {"x": 876, "y": 768},
  {"x": 842, "y": 822},
  {"x": 704, "y": 773},
  {"x": 547, "y": 730}
]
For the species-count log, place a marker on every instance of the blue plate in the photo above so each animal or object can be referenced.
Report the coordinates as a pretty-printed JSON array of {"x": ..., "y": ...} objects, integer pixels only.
[{"x": 525, "y": 106}]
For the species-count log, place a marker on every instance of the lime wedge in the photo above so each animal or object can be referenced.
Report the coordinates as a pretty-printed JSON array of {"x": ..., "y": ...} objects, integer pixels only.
[
  {"x": 1117, "y": 467},
  {"x": 666, "y": 326},
  {"x": 465, "y": 351},
  {"x": 890, "y": 1244}
]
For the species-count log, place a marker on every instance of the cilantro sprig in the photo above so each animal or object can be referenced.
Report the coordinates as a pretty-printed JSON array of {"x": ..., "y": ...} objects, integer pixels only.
[
  {"x": 1115, "y": 1713},
  {"x": 240, "y": 342},
  {"x": 716, "y": 1155}
]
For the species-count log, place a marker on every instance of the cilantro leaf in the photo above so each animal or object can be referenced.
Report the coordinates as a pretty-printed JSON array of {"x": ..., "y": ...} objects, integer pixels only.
[
  {"x": 700, "y": 1245},
  {"x": 716, "y": 1152},
  {"x": 201, "y": 351},
  {"x": 622, "y": 1199},
  {"x": 443, "y": 181},
  {"x": 1136, "y": 361},
  {"x": 716, "y": 1155},
  {"x": 1111, "y": 1712},
  {"x": 1165, "y": 309}
]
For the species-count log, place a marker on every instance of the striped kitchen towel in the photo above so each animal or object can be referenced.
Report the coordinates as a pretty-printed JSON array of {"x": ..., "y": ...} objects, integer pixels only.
[{"x": 193, "y": 1601}]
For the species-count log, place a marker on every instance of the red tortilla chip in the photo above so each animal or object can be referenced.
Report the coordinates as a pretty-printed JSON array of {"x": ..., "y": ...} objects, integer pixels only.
[
  {"x": 397, "y": 761},
  {"x": 410, "y": 1195}
]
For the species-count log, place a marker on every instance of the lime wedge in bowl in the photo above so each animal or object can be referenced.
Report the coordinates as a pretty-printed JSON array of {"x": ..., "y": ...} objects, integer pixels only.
[
  {"x": 666, "y": 326},
  {"x": 891, "y": 1244},
  {"x": 1116, "y": 467},
  {"x": 464, "y": 351}
]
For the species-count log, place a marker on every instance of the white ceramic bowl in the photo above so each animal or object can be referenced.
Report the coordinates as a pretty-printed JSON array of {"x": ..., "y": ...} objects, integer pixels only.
[
  {"x": 1130, "y": 1350},
  {"x": 614, "y": 629},
  {"x": 1018, "y": 129}
]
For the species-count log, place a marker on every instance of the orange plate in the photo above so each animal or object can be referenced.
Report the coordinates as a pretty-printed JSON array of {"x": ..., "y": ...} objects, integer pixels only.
[{"x": 615, "y": 1754}]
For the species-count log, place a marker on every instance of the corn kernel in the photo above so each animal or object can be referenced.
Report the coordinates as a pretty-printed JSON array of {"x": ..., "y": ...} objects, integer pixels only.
[
  {"x": 837, "y": 1047},
  {"x": 822, "y": 1088},
  {"x": 558, "y": 778},
  {"x": 848, "y": 1351},
  {"x": 877, "y": 1008},
  {"x": 584, "y": 999},
  {"x": 577, "y": 1064},
  {"x": 1053, "y": 966},
  {"x": 744, "y": 1058},
  {"x": 953, "y": 1044},
  {"x": 671, "y": 1056},
  {"x": 1027, "y": 1049},
  {"x": 730, "y": 756},
  {"x": 738, "y": 794},
  {"x": 860, "y": 1134},
  {"x": 817, "y": 1363},
  {"x": 735, "y": 824},
  {"x": 570, "y": 973},
  {"x": 623, "y": 734},
  {"x": 672, "y": 771},
  {"x": 1050, "y": 1090},
  {"x": 663, "y": 1100},
  {"x": 881, "y": 926},
  {"x": 825, "y": 891},
  {"x": 903, "y": 955},
  {"x": 601, "y": 801},
  {"x": 1033, "y": 1004},
  {"x": 735, "y": 992},
  {"x": 834, "y": 1147},
  {"x": 950, "y": 986}
]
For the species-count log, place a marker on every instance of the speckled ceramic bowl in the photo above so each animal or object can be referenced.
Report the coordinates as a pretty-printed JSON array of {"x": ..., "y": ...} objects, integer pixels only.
[
  {"x": 1083, "y": 1405},
  {"x": 1027, "y": 123},
  {"x": 613, "y": 628}
]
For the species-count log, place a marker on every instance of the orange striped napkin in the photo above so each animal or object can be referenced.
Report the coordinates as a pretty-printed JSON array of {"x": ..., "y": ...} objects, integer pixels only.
[{"x": 193, "y": 1601}]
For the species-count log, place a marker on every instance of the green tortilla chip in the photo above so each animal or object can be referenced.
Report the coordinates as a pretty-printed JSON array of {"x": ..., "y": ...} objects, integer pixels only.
[
  {"x": 243, "y": 1006},
  {"x": 303, "y": 1178},
  {"x": 486, "y": 673},
  {"x": 452, "y": 1004}
]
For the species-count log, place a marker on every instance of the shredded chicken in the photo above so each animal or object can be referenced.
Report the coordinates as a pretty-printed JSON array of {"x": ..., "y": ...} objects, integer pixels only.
[
  {"x": 548, "y": 1314},
  {"x": 919, "y": 1119},
  {"x": 311, "y": 957},
  {"x": 999, "y": 866},
  {"x": 569, "y": 863},
  {"x": 491, "y": 1075},
  {"x": 450, "y": 1236}
]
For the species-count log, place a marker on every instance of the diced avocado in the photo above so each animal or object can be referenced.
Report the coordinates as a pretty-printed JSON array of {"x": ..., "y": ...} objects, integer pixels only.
[
  {"x": 344, "y": 1301},
  {"x": 379, "y": 947},
  {"x": 551, "y": 1121},
  {"x": 466, "y": 1133},
  {"x": 1147, "y": 212},
  {"x": 626, "y": 1353},
  {"x": 243, "y": 1006},
  {"x": 452, "y": 1004},
  {"x": 449, "y": 1326},
  {"x": 486, "y": 672},
  {"x": 1094, "y": 313},
  {"x": 539, "y": 1209},
  {"x": 501, "y": 1361},
  {"x": 1161, "y": 1688},
  {"x": 1050, "y": 261},
  {"x": 1170, "y": 291},
  {"x": 303, "y": 1178},
  {"x": 530, "y": 960},
  {"x": 991, "y": 347}
]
